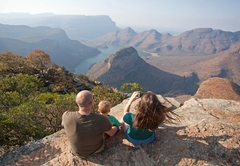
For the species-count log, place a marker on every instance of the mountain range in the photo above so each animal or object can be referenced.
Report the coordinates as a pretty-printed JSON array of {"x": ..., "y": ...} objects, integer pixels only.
[
  {"x": 191, "y": 56},
  {"x": 21, "y": 39},
  {"x": 182, "y": 78},
  {"x": 200, "y": 41},
  {"x": 77, "y": 27},
  {"x": 224, "y": 64}
]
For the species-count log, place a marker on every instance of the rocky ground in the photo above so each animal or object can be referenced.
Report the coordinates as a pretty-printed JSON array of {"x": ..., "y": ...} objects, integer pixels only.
[{"x": 202, "y": 137}]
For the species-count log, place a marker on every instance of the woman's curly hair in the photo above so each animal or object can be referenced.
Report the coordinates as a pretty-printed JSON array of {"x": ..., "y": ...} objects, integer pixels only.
[{"x": 151, "y": 112}]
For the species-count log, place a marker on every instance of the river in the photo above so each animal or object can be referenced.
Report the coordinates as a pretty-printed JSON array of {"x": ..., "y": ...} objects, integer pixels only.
[{"x": 84, "y": 66}]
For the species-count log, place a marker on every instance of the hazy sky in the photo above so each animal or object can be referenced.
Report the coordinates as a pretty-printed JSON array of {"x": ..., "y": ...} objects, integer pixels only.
[{"x": 161, "y": 15}]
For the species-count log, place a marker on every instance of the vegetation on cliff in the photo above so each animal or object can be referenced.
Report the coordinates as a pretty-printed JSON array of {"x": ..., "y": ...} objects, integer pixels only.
[{"x": 35, "y": 92}]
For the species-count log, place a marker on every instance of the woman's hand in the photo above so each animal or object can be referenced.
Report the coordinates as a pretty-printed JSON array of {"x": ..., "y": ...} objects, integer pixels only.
[{"x": 134, "y": 96}]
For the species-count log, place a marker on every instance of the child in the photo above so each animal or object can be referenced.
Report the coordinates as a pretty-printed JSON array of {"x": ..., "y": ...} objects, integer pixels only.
[{"x": 104, "y": 108}]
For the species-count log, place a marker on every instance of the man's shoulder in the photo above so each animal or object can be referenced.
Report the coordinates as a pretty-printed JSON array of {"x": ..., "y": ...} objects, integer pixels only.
[
  {"x": 98, "y": 115},
  {"x": 69, "y": 113}
]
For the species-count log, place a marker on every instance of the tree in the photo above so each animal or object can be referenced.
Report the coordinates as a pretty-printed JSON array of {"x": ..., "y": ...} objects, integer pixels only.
[
  {"x": 39, "y": 61},
  {"x": 53, "y": 105},
  {"x": 14, "y": 90},
  {"x": 34, "y": 118},
  {"x": 103, "y": 92},
  {"x": 11, "y": 64},
  {"x": 60, "y": 80},
  {"x": 130, "y": 87}
]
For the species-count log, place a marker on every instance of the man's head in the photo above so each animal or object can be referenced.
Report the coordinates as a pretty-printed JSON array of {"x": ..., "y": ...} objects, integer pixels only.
[
  {"x": 84, "y": 99},
  {"x": 104, "y": 107}
]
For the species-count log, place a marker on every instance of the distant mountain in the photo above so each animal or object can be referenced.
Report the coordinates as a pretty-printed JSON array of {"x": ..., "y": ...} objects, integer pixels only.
[
  {"x": 225, "y": 64},
  {"x": 20, "y": 39},
  {"x": 78, "y": 27},
  {"x": 125, "y": 66},
  {"x": 201, "y": 41}
]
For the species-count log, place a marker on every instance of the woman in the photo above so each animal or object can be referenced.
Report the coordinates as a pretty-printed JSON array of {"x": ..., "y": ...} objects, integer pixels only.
[{"x": 140, "y": 127}]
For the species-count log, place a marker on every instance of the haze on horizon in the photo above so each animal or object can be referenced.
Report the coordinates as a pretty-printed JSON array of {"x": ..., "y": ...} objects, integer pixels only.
[{"x": 163, "y": 16}]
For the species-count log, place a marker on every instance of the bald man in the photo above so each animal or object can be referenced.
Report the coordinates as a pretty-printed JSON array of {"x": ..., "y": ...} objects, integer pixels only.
[{"x": 84, "y": 128}]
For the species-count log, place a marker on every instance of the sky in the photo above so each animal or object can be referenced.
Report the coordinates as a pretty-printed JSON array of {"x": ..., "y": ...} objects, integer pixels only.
[{"x": 162, "y": 15}]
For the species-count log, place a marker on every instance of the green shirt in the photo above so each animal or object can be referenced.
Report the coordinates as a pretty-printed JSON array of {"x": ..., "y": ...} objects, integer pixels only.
[
  {"x": 113, "y": 121},
  {"x": 135, "y": 133}
]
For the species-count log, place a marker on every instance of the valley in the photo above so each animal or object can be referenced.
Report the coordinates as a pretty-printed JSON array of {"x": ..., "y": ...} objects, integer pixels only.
[
  {"x": 180, "y": 65},
  {"x": 83, "y": 67},
  {"x": 180, "y": 61}
]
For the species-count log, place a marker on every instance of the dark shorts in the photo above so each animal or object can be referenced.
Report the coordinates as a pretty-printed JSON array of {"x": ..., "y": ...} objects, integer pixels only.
[{"x": 138, "y": 142}]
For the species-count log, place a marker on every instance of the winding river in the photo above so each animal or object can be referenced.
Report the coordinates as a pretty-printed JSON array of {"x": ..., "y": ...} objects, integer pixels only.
[{"x": 84, "y": 66}]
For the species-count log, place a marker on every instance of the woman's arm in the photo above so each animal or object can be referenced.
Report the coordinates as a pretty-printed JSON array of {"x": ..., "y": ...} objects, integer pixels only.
[{"x": 134, "y": 97}]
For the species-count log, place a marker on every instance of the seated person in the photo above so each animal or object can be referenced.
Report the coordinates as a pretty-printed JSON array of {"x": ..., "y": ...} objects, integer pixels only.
[
  {"x": 104, "y": 108},
  {"x": 139, "y": 128},
  {"x": 85, "y": 129}
]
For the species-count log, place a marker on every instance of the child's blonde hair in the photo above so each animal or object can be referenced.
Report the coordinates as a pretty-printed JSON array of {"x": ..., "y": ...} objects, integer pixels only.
[{"x": 104, "y": 106}]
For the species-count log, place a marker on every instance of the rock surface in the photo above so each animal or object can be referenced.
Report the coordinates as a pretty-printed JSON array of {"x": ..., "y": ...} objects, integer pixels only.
[
  {"x": 219, "y": 88},
  {"x": 203, "y": 136}
]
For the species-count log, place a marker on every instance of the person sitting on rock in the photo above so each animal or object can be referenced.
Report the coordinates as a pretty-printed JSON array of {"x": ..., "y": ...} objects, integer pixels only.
[
  {"x": 104, "y": 107},
  {"x": 139, "y": 128},
  {"x": 85, "y": 129}
]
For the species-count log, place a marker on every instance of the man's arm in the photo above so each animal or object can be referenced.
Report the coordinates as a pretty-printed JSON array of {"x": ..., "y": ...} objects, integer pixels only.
[
  {"x": 112, "y": 131},
  {"x": 63, "y": 118}
]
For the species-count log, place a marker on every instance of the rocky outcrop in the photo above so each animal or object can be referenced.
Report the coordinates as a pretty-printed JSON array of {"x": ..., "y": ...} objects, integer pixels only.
[
  {"x": 220, "y": 88},
  {"x": 202, "y": 136},
  {"x": 126, "y": 66}
]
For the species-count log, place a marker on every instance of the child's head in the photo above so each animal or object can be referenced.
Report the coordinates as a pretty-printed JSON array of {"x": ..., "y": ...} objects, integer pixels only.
[{"x": 104, "y": 107}]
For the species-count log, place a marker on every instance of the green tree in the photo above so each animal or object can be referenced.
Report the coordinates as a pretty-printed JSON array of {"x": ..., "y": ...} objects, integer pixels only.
[
  {"x": 14, "y": 90},
  {"x": 35, "y": 118},
  {"x": 130, "y": 87},
  {"x": 103, "y": 92},
  {"x": 53, "y": 106},
  {"x": 60, "y": 80}
]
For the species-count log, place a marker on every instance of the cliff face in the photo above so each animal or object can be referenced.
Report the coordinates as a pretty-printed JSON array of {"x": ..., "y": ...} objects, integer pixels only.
[
  {"x": 126, "y": 66},
  {"x": 208, "y": 133}
]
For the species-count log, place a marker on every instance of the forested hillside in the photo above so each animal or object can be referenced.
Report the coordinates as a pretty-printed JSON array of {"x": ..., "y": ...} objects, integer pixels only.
[{"x": 35, "y": 92}]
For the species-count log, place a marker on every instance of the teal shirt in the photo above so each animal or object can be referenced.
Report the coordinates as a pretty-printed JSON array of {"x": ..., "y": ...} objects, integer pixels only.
[
  {"x": 135, "y": 133},
  {"x": 113, "y": 121}
]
